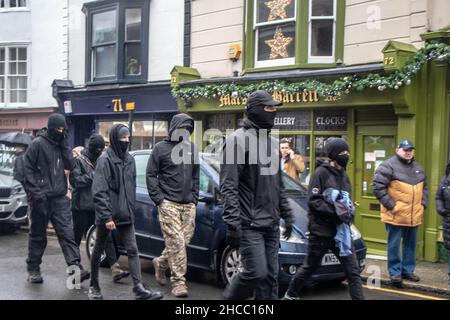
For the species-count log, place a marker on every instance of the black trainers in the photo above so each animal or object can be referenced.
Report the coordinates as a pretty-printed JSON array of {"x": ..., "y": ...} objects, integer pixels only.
[
  {"x": 85, "y": 275},
  {"x": 94, "y": 294},
  {"x": 35, "y": 277},
  {"x": 142, "y": 293},
  {"x": 397, "y": 281},
  {"x": 411, "y": 277}
]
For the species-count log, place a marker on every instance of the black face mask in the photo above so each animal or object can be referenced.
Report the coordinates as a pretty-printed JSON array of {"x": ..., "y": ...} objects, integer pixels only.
[
  {"x": 56, "y": 135},
  {"x": 124, "y": 146},
  {"x": 260, "y": 117},
  {"x": 342, "y": 160},
  {"x": 95, "y": 153}
]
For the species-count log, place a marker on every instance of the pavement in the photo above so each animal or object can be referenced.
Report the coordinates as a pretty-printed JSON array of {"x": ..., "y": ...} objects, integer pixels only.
[{"x": 434, "y": 276}]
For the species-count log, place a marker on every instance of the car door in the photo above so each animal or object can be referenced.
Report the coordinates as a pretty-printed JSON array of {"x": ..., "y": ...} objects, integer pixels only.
[
  {"x": 200, "y": 249},
  {"x": 148, "y": 234}
]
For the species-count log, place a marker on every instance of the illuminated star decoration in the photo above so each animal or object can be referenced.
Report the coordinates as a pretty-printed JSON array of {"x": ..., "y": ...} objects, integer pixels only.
[
  {"x": 277, "y": 9},
  {"x": 278, "y": 45}
]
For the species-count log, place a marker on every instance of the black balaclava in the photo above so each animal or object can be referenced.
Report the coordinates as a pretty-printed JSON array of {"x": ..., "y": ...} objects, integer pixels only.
[
  {"x": 255, "y": 112},
  {"x": 56, "y": 120},
  {"x": 335, "y": 146},
  {"x": 96, "y": 145},
  {"x": 120, "y": 148}
]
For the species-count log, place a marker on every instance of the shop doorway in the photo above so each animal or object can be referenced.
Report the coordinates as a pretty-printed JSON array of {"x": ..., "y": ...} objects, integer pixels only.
[{"x": 373, "y": 145}]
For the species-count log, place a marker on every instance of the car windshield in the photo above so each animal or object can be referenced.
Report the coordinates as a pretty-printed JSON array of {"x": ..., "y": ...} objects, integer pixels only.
[
  {"x": 7, "y": 157},
  {"x": 290, "y": 185}
]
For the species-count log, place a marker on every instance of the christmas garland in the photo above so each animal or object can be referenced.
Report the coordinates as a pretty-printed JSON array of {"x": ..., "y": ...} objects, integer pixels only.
[{"x": 344, "y": 85}]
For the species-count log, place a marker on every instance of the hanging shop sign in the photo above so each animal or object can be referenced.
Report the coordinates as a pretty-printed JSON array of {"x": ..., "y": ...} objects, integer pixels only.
[{"x": 330, "y": 120}]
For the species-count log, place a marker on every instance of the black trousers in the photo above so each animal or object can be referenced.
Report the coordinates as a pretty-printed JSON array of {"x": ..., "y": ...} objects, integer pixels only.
[
  {"x": 259, "y": 257},
  {"x": 317, "y": 248},
  {"x": 128, "y": 237},
  {"x": 82, "y": 221},
  {"x": 56, "y": 210}
]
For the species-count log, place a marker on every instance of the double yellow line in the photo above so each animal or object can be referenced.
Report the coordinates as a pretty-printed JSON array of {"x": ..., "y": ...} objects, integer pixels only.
[{"x": 411, "y": 294}]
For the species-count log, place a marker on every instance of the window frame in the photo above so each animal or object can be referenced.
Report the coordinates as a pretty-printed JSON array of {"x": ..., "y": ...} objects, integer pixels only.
[
  {"x": 7, "y": 6},
  {"x": 302, "y": 39},
  {"x": 7, "y": 88},
  {"x": 92, "y": 8},
  {"x": 311, "y": 18}
]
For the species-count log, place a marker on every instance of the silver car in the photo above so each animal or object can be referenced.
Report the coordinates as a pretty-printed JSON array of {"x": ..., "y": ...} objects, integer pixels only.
[{"x": 13, "y": 199}]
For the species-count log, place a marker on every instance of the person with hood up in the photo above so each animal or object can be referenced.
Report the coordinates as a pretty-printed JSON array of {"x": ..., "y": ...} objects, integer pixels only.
[
  {"x": 114, "y": 193},
  {"x": 83, "y": 211},
  {"x": 254, "y": 200},
  {"x": 174, "y": 187},
  {"x": 45, "y": 181},
  {"x": 443, "y": 208},
  {"x": 324, "y": 221}
]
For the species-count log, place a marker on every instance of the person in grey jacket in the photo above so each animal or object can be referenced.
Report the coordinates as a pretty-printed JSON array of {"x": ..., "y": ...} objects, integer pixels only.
[{"x": 114, "y": 192}]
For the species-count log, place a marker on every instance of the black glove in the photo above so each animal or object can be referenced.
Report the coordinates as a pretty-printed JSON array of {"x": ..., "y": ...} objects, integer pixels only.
[
  {"x": 288, "y": 229},
  {"x": 233, "y": 237}
]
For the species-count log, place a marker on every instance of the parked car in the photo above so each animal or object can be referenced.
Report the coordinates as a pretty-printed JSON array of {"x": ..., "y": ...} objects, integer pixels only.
[
  {"x": 207, "y": 249},
  {"x": 13, "y": 199}
]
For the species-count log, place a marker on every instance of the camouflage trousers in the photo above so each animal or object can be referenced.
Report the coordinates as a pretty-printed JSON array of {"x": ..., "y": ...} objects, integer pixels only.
[{"x": 177, "y": 223}]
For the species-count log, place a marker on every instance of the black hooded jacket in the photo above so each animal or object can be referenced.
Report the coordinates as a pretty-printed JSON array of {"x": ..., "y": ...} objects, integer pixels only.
[
  {"x": 114, "y": 185},
  {"x": 251, "y": 199},
  {"x": 323, "y": 219},
  {"x": 45, "y": 162},
  {"x": 443, "y": 205},
  {"x": 81, "y": 178},
  {"x": 167, "y": 180},
  {"x": 19, "y": 168}
]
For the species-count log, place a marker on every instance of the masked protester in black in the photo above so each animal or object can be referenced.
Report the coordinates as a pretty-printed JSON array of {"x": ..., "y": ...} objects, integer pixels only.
[
  {"x": 254, "y": 202},
  {"x": 114, "y": 193},
  {"x": 46, "y": 183},
  {"x": 323, "y": 222},
  {"x": 83, "y": 211}
]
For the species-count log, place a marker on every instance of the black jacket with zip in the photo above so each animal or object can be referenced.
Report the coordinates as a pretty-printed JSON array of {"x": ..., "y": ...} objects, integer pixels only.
[
  {"x": 114, "y": 189},
  {"x": 323, "y": 219},
  {"x": 252, "y": 198},
  {"x": 81, "y": 178},
  {"x": 45, "y": 162},
  {"x": 167, "y": 180}
]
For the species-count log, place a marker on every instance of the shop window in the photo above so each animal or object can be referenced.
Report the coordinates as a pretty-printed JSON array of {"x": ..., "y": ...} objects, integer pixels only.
[
  {"x": 300, "y": 144},
  {"x": 145, "y": 133},
  {"x": 13, "y": 75},
  {"x": 117, "y": 41},
  {"x": 6, "y": 4},
  {"x": 294, "y": 32}
]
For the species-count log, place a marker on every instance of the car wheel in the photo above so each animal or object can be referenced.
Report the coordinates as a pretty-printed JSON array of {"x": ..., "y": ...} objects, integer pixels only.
[
  {"x": 91, "y": 238},
  {"x": 230, "y": 264}
]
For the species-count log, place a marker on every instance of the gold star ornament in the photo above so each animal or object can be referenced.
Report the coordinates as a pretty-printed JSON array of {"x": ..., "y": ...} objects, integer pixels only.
[
  {"x": 278, "y": 45},
  {"x": 277, "y": 9}
]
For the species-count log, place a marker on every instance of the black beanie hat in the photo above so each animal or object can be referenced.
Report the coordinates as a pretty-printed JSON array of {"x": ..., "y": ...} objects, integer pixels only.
[
  {"x": 335, "y": 146},
  {"x": 56, "y": 120},
  {"x": 96, "y": 141}
]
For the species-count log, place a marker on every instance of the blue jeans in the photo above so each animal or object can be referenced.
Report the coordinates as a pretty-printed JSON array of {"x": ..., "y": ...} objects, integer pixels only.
[{"x": 398, "y": 265}]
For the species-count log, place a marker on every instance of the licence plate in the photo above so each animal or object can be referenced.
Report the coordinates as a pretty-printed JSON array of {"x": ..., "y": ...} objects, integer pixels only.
[
  {"x": 2, "y": 208},
  {"x": 330, "y": 260}
]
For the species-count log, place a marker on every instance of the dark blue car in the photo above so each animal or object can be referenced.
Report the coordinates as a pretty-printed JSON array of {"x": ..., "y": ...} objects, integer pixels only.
[{"x": 207, "y": 249}]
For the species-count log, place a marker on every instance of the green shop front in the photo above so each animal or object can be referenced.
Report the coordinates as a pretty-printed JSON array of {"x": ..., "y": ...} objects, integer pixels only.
[{"x": 372, "y": 118}]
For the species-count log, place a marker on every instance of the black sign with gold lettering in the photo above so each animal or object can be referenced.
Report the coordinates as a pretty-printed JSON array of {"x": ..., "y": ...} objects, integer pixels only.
[
  {"x": 293, "y": 120},
  {"x": 330, "y": 120}
]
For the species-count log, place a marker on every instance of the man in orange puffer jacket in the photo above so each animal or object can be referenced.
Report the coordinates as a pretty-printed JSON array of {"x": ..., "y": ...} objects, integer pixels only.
[{"x": 400, "y": 185}]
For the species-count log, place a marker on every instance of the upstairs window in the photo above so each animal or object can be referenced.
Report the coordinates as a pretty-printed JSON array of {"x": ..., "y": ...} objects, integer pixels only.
[
  {"x": 12, "y": 3},
  {"x": 117, "y": 37},
  {"x": 13, "y": 75},
  {"x": 294, "y": 33}
]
